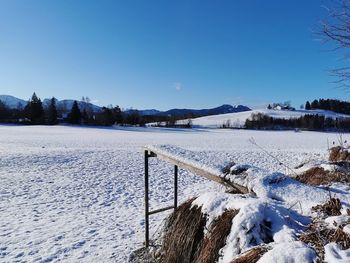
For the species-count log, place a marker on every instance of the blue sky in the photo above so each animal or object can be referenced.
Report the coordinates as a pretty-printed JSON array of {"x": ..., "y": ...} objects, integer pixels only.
[{"x": 165, "y": 54}]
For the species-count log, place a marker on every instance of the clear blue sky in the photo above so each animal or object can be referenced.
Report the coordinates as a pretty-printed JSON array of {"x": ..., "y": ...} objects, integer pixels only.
[{"x": 165, "y": 54}]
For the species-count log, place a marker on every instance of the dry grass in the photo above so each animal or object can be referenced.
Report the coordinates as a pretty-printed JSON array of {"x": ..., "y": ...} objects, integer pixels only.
[
  {"x": 331, "y": 208},
  {"x": 318, "y": 234},
  {"x": 251, "y": 256},
  {"x": 319, "y": 176},
  {"x": 184, "y": 234},
  {"x": 340, "y": 158},
  {"x": 184, "y": 240},
  {"x": 341, "y": 238},
  {"x": 216, "y": 238},
  {"x": 338, "y": 153}
]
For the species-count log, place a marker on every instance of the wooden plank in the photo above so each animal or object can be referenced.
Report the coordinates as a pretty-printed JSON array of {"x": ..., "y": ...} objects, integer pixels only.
[{"x": 198, "y": 171}]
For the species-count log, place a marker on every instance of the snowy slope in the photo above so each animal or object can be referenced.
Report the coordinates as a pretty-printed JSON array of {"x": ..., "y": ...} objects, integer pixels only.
[
  {"x": 12, "y": 102},
  {"x": 67, "y": 105},
  {"x": 76, "y": 194},
  {"x": 223, "y": 109},
  {"x": 238, "y": 119}
]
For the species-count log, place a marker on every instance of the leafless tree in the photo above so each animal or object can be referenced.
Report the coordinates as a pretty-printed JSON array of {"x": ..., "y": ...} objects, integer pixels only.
[{"x": 336, "y": 29}]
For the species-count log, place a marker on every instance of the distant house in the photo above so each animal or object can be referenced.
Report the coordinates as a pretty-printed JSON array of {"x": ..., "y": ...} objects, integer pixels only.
[{"x": 282, "y": 106}]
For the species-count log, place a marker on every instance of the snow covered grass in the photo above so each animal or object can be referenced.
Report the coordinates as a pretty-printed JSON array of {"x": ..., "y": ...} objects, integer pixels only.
[{"x": 76, "y": 193}]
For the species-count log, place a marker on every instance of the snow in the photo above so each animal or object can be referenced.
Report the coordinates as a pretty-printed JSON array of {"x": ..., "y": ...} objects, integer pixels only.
[
  {"x": 195, "y": 159},
  {"x": 246, "y": 225},
  {"x": 335, "y": 221},
  {"x": 294, "y": 251},
  {"x": 238, "y": 119},
  {"x": 76, "y": 193},
  {"x": 278, "y": 199},
  {"x": 346, "y": 229},
  {"x": 334, "y": 254},
  {"x": 278, "y": 186}
]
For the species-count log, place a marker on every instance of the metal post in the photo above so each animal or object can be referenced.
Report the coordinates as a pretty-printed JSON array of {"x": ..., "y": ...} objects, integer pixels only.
[
  {"x": 146, "y": 202},
  {"x": 175, "y": 186}
]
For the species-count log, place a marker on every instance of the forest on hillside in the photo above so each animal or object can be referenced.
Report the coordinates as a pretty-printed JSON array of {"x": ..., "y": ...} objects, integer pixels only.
[{"x": 36, "y": 113}]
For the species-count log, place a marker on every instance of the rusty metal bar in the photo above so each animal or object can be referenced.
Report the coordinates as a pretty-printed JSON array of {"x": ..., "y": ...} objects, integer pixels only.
[
  {"x": 146, "y": 202},
  {"x": 160, "y": 210},
  {"x": 175, "y": 186},
  {"x": 149, "y": 154}
]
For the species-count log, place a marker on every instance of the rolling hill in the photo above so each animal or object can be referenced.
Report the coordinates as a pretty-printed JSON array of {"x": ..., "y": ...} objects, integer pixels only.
[{"x": 238, "y": 119}]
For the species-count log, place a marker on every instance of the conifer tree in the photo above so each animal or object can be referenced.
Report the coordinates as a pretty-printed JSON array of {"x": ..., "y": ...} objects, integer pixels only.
[
  {"x": 74, "y": 116},
  {"x": 52, "y": 112},
  {"x": 85, "y": 117},
  {"x": 108, "y": 118},
  {"x": 4, "y": 111},
  {"x": 118, "y": 115},
  {"x": 315, "y": 104},
  {"x": 307, "y": 106},
  {"x": 36, "y": 110}
]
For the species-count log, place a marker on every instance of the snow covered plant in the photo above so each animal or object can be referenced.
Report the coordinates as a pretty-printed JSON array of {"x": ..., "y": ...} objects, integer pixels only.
[
  {"x": 270, "y": 224},
  {"x": 340, "y": 150},
  {"x": 301, "y": 217}
]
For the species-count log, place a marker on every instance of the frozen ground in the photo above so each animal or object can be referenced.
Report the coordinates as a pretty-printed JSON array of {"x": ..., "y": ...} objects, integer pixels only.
[{"x": 76, "y": 194}]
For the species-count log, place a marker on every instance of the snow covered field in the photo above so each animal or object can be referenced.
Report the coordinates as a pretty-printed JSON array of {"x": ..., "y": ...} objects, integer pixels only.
[
  {"x": 238, "y": 119},
  {"x": 76, "y": 194}
]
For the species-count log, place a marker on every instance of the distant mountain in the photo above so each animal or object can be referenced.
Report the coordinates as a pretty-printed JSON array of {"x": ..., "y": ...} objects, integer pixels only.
[
  {"x": 67, "y": 105},
  {"x": 205, "y": 112},
  {"x": 149, "y": 112},
  {"x": 185, "y": 112},
  {"x": 13, "y": 102}
]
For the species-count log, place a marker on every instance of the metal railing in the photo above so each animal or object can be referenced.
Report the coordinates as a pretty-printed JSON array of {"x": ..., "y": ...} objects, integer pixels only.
[{"x": 150, "y": 154}]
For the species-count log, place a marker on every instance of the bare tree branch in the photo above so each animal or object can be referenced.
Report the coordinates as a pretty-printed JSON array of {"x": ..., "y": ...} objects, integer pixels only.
[{"x": 336, "y": 29}]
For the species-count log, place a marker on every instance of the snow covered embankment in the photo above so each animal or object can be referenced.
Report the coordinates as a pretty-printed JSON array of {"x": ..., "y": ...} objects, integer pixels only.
[{"x": 274, "y": 214}]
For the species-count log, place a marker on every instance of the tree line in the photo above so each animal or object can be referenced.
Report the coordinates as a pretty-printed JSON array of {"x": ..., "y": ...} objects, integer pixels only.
[
  {"x": 329, "y": 104},
  {"x": 35, "y": 113},
  {"x": 307, "y": 122}
]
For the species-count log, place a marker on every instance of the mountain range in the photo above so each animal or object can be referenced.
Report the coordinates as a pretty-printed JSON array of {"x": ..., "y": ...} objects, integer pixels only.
[
  {"x": 13, "y": 102},
  {"x": 65, "y": 105},
  {"x": 226, "y": 108}
]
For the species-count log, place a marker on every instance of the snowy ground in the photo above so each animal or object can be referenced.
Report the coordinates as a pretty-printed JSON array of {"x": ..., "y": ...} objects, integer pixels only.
[
  {"x": 238, "y": 119},
  {"x": 77, "y": 193}
]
